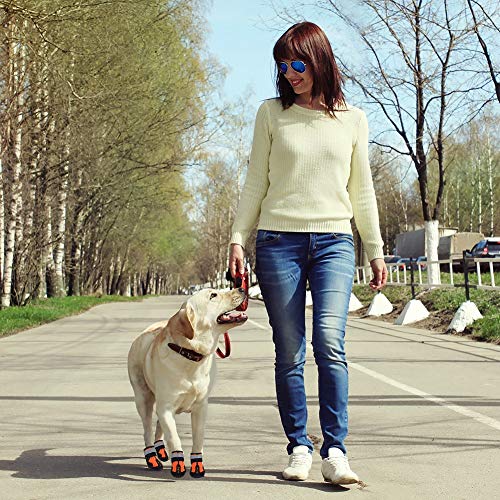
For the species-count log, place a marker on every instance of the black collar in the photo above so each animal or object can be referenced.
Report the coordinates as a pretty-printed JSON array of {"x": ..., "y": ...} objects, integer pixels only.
[{"x": 187, "y": 353}]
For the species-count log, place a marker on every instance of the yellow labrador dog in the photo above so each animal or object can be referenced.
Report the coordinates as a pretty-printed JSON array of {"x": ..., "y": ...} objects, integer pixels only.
[{"x": 172, "y": 364}]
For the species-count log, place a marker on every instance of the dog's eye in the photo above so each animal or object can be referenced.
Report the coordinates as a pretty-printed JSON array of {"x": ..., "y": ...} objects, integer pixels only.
[{"x": 213, "y": 295}]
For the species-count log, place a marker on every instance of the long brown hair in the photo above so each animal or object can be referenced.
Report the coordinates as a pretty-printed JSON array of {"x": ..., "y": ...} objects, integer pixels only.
[{"x": 307, "y": 42}]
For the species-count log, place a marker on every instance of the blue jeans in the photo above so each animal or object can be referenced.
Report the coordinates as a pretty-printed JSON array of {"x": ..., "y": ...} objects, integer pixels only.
[{"x": 285, "y": 261}]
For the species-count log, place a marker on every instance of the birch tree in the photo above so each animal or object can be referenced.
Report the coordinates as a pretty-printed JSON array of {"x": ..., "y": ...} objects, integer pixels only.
[
  {"x": 17, "y": 68},
  {"x": 102, "y": 129},
  {"x": 473, "y": 169}
]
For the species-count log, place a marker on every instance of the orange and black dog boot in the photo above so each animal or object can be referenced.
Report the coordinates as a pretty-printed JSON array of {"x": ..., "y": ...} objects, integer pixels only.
[
  {"x": 152, "y": 459},
  {"x": 161, "y": 452},
  {"x": 197, "y": 469},
  {"x": 178, "y": 467}
]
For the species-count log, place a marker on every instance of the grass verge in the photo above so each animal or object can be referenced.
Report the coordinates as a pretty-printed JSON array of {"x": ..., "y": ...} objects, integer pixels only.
[
  {"x": 38, "y": 312},
  {"x": 442, "y": 305}
]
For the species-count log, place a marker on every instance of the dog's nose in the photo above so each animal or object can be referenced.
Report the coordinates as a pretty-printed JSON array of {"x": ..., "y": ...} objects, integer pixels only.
[{"x": 242, "y": 290}]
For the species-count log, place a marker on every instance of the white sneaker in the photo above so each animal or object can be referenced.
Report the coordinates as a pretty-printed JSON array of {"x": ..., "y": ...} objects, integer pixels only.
[
  {"x": 336, "y": 470},
  {"x": 299, "y": 464}
]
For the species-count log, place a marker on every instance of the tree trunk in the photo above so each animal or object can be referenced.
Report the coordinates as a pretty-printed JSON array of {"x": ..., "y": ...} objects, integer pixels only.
[
  {"x": 49, "y": 263},
  {"x": 41, "y": 214},
  {"x": 431, "y": 246},
  {"x": 479, "y": 194},
  {"x": 491, "y": 196},
  {"x": 17, "y": 51},
  {"x": 2, "y": 219},
  {"x": 135, "y": 285},
  {"x": 73, "y": 272},
  {"x": 114, "y": 275},
  {"x": 62, "y": 197},
  {"x": 35, "y": 133}
]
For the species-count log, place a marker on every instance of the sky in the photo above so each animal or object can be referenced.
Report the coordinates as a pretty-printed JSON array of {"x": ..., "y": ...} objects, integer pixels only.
[
  {"x": 242, "y": 37},
  {"x": 242, "y": 44}
]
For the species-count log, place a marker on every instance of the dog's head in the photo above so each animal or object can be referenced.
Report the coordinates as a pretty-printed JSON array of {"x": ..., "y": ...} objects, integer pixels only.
[{"x": 208, "y": 314}]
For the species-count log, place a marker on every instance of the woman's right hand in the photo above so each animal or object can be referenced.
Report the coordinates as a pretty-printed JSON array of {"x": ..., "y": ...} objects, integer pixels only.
[{"x": 236, "y": 256}]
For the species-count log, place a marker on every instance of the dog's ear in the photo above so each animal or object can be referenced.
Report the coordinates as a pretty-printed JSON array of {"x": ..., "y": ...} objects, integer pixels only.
[
  {"x": 191, "y": 316},
  {"x": 182, "y": 322}
]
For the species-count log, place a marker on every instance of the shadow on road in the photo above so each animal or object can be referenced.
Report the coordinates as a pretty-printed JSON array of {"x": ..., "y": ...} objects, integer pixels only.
[
  {"x": 296, "y": 484},
  {"x": 379, "y": 400},
  {"x": 106, "y": 399},
  {"x": 37, "y": 464}
]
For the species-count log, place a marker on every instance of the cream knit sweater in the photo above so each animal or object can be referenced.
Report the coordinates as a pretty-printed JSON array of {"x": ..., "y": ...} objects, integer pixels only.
[{"x": 309, "y": 172}]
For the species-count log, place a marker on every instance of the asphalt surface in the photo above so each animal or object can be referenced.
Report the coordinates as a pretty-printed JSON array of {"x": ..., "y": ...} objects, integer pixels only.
[{"x": 424, "y": 414}]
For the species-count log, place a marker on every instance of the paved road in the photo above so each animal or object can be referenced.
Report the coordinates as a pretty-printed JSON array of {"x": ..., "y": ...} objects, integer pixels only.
[{"x": 424, "y": 414}]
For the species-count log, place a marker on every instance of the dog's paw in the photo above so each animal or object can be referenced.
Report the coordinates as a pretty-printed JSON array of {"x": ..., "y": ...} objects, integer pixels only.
[
  {"x": 151, "y": 459},
  {"x": 197, "y": 469},
  {"x": 178, "y": 468},
  {"x": 161, "y": 452}
]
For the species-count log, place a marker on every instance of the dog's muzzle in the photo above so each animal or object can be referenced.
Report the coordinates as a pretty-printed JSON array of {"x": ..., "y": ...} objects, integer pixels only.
[{"x": 233, "y": 315}]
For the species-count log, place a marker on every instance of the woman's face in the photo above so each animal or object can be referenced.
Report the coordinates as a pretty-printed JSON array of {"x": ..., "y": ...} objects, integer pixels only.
[{"x": 301, "y": 83}]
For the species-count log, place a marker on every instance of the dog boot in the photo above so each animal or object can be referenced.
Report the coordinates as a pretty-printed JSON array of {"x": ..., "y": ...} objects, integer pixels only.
[
  {"x": 178, "y": 467},
  {"x": 152, "y": 459},
  {"x": 161, "y": 452},
  {"x": 197, "y": 469}
]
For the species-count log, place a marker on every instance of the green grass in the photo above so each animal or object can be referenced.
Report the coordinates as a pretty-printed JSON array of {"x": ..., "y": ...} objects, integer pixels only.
[
  {"x": 443, "y": 302},
  {"x": 15, "y": 319},
  {"x": 395, "y": 294}
]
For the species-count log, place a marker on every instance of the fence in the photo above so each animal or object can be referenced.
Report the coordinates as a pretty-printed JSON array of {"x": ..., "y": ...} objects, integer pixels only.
[{"x": 398, "y": 274}]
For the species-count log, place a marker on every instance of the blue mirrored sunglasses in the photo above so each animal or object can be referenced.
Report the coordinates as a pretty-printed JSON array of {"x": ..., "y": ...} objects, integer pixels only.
[{"x": 298, "y": 66}]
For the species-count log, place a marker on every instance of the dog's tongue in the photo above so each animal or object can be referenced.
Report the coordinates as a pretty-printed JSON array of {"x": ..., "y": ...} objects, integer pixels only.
[{"x": 232, "y": 317}]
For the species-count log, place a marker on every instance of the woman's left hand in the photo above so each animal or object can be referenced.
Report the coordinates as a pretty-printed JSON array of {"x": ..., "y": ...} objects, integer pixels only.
[{"x": 379, "y": 274}]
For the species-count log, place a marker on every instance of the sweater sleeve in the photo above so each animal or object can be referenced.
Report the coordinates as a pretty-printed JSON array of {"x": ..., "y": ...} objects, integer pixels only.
[
  {"x": 362, "y": 194},
  {"x": 257, "y": 180}
]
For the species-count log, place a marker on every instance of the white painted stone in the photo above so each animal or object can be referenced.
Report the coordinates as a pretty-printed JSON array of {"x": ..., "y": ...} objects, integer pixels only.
[
  {"x": 466, "y": 315},
  {"x": 309, "y": 300},
  {"x": 354, "y": 303},
  {"x": 413, "y": 311},
  {"x": 254, "y": 291},
  {"x": 379, "y": 305}
]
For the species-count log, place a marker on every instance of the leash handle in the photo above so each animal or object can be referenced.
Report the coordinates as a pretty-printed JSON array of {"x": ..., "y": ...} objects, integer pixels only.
[
  {"x": 240, "y": 280},
  {"x": 227, "y": 342}
]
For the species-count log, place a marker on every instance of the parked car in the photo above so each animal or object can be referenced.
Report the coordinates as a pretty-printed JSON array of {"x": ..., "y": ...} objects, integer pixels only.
[
  {"x": 423, "y": 262},
  {"x": 406, "y": 263},
  {"x": 402, "y": 263},
  {"x": 390, "y": 260},
  {"x": 489, "y": 248}
]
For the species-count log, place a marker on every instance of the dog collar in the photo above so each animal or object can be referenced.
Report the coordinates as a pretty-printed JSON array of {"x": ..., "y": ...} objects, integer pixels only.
[{"x": 187, "y": 353}]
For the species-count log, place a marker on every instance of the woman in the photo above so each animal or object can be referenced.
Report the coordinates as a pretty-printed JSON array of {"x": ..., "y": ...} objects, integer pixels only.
[{"x": 308, "y": 175}]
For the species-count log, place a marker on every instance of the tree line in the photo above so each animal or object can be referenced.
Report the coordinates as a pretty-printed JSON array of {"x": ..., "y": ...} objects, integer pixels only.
[
  {"x": 103, "y": 107},
  {"x": 470, "y": 200}
]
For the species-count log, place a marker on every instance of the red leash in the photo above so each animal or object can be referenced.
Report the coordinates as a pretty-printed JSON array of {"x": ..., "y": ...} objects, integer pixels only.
[
  {"x": 227, "y": 342},
  {"x": 239, "y": 281}
]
